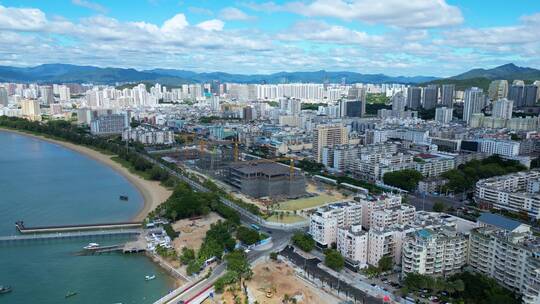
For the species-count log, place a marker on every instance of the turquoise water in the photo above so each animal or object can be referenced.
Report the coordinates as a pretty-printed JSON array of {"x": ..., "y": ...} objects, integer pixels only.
[{"x": 45, "y": 184}]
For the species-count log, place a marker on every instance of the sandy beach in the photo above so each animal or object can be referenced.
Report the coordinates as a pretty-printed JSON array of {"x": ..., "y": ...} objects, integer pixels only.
[{"x": 152, "y": 192}]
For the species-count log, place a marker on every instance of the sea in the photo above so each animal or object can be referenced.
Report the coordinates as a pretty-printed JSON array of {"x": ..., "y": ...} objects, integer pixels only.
[{"x": 43, "y": 183}]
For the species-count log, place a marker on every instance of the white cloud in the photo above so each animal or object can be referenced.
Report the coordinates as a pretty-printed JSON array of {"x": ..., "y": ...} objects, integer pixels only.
[
  {"x": 90, "y": 5},
  {"x": 176, "y": 23},
  {"x": 22, "y": 19},
  {"x": 211, "y": 25},
  {"x": 232, "y": 13},
  {"x": 399, "y": 13}
]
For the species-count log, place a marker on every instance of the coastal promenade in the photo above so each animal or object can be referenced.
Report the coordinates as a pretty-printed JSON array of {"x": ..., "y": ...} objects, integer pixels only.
[
  {"x": 11, "y": 239},
  {"x": 74, "y": 228}
]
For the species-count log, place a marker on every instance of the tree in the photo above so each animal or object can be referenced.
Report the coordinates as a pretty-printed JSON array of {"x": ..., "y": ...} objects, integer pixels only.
[
  {"x": 273, "y": 255},
  {"x": 238, "y": 263},
  {"x": 334, "y": 259},
  {"x": 385, "y": 263},
  {"x": 303, "y": 241},
  {"x": 439, "y": 207},
  {"x": 405, "y": 179},
  {"x": 187, "y": 255},
  {"x": 247, "y": 236}
]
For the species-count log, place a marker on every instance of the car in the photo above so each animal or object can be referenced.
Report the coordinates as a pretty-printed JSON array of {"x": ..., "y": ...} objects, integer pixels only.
[{"x": 247, "y": 250}]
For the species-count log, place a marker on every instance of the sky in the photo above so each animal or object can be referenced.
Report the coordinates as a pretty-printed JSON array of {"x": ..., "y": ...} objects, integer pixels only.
[{"x": 395, "y": 37}]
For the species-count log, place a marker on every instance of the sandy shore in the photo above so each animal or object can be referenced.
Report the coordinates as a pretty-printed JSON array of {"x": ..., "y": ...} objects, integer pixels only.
[{"x": 152, "y": 192}]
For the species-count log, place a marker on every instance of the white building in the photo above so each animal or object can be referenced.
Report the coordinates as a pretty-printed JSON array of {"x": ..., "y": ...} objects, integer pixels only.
[
  {"x": 516, "y": 192},
  {"x": 474, "y": 103},
  {"x": 352, "y": 243},
  {"x": 502, "y": 108},
  {"x": 149, "y": 136},
  {"x": 325, "y": 221},
  {"x": 438, "y": 252},
  {"x": 500, "y": 147}
]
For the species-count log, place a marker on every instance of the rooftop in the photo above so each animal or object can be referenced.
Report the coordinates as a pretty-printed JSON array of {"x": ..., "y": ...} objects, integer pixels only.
[{"x": 499, "y": 221}]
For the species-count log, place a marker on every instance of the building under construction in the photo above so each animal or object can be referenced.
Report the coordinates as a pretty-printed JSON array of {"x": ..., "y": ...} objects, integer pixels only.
[{"x": 266, "y": 179}]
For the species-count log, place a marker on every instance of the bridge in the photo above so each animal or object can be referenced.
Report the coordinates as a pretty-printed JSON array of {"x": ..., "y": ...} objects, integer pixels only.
[
  {"x": 74, "y": 228},
  {"x": 68, "y": 235}
]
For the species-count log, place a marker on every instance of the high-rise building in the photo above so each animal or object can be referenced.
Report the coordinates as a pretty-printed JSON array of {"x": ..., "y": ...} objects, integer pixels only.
[
  {"x": 47, "y": 95},
  {"x": 447, "y": 95},
  {"x": 327, "y": 136},
  {"x": 430, "y": 96},
  {"x": 443, "y": 115},
  {"x": 515, "y": 93},
  {"x": 530, "y": 94},
  {"x": 354, "y": 108},
  {"x": 247, "y": 113},
  {"x": 214, "y": 103},
  {"x": 502, "y": 108},
  {"x": 399, "y": 102},
  {"x": 64, "y": 93},
  {"x": 474, "y": 102},
  {"x": 414, "y": 97},
  {"x": 30, "y": 109},
  {"x": 3, "y": 97},
  {"x": 498, "y": 89}
]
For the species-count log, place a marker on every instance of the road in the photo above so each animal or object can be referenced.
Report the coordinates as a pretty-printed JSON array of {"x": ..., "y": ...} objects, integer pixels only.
[{"x": 426, "y": 203}]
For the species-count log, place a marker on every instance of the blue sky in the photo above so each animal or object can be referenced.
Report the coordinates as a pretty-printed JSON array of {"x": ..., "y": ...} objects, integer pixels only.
[{"x": 395, "y": 37}]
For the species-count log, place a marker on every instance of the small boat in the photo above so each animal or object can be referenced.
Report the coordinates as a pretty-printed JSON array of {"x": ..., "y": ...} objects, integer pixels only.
[
  {"x": 149, "y": 278},
  {"x": 91, "y": 246},
  {"x": 5, "y": 289},
  {"x": 71, "y": 294},
  {"x": 124, "y": 197}
]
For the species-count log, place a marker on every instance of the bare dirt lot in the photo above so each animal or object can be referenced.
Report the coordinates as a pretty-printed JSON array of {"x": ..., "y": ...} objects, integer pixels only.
[
  {"x": 192, "y": 232},
  {"x": 277, "y": 279}
]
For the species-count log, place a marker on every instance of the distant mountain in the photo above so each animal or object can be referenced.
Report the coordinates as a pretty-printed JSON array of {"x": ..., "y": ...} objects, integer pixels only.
[
  {"x": 284, "y": 77},
  {"x": 508, "y": 71},
  {"x": 67, "y": 73},
  {"x": 482, "y": 77}
]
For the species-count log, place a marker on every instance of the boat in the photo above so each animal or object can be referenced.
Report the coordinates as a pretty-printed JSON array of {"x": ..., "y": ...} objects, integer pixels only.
[
  {"x": 149, "y": 278},
  {"x": 71, "y": 294},
  {"x": 124, "y": 197},
  {"x": 91, "y": 246},
  {"x": 5, "y": 289}
]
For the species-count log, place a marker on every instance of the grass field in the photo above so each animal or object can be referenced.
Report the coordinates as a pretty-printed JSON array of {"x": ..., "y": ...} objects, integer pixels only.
[
  {"x": 286, "y": 219},
  {"x": 303, "y": 203}
]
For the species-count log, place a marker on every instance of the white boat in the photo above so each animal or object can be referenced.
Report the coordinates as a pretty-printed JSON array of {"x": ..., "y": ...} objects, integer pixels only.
[
  {"x": 91, "y": 246},
  {"x": 148, "y": 278}
]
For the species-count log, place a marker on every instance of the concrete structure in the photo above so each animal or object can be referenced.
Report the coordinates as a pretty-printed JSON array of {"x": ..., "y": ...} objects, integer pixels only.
[
  {"x": 266, "y": 179},
  {"x": 3, "y": 97},
  {"x": 326, "y": 136},
  {"x": 518, "y": 192},
  {"x": 474, "y": 102},
  {"x": 447, "y": 95},
  {"x": 438, "y": 252},
  {"x": 149, "y": 136},
  {"x": 30, "y": 109},
  {"x": 414, "y": 97},
  {"x": 498, "y": 89},
  {"x": 433, "y": 165},
  {"x": 444, "y": 115},
  {"x": 500, "y": 147},
  {"x": 502, "y": 108},
  {"x": 109, "y": 123},
  {"x": 430, "y": 96},
  {"x": 352, "y": 243},
  {"x": 511, "y": 257},
  {"x": 325, "y": 221}
]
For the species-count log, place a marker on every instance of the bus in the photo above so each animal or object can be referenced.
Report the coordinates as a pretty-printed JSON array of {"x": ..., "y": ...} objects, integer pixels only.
[{"x": 255, "y": 227}]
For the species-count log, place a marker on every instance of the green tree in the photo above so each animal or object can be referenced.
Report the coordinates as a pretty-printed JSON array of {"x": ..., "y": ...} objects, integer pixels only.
[
  {"x": 303, "y": 241},
  {"x": 439, "y": 207},
  {"x": 238, "y": 263},
  {"x": 405, "y": 179},
  {"x": 385, "y": 263},
  {"x": 247, "y": 236},
  {"x": 334, "y": 259},
  {"x": 188, "y": 255}
]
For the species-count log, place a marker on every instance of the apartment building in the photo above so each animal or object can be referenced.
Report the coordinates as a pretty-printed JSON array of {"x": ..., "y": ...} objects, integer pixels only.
[
  {"x": 433, "y": 165},
  {"x": 511, "y": 257},
  {"x": 352, "y": 243},
  {"x": 149, "y": 136},
  {"x": 328, "y": 135},
  {"x": 325, "y": 221},
  {"x": 437, "y": 252},
  {"x": 384, "y": 210},
  {"x": 373, "y": 167},
  {"x": 518, "y": 192}
]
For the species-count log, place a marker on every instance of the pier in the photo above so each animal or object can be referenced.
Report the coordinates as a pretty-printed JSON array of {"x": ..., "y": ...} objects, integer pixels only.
[
  {"x": 75, "y": 228},
  {"x": 67, "y": 235}
]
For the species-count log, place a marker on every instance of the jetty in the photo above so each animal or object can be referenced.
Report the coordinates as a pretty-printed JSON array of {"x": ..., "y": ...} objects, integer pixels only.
[
  {"x": 75, "y": 228},
  {"x": 10, "y": 239}
]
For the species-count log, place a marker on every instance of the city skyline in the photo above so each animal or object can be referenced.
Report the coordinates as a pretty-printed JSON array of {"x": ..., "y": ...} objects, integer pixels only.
[{"x": 435, "y": 37}]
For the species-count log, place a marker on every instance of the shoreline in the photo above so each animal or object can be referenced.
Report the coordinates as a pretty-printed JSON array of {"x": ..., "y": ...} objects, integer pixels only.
[{"x": 152, "y": 192}]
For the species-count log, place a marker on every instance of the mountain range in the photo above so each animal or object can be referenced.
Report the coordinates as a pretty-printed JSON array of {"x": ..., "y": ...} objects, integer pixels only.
[
  {"x": 482, "y": 77},
  {"x": 67, "y": 73}
]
